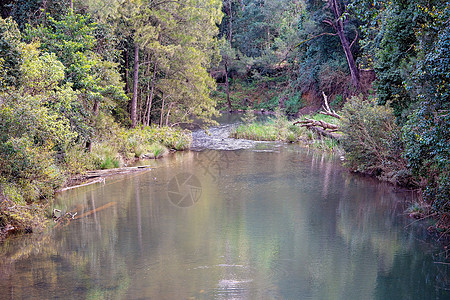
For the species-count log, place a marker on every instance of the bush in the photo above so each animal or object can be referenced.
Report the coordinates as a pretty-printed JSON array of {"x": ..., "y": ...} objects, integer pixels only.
[
  {"x": 28, "y": 171},
  {"x": 372, "y": 140},
  {"x": 77, "y": 160},
  {"x": 293, "y": 103}
]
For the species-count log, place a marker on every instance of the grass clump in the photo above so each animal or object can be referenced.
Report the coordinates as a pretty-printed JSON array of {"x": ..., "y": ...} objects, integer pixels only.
[
  {"x": 276, "y": 129},
  {"x": 158, "y": 150},
  {"x": 282, "y": 129}
]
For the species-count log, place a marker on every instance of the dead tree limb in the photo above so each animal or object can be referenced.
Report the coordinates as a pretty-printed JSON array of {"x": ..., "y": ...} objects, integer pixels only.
[
  {"x": 326, "y": 108},
  {"x": 317, "y": 123},
  {"x": 321, "y": 127}
]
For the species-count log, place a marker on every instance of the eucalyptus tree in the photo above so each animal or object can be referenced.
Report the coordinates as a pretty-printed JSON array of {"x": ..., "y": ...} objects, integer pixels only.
[
  {"x": 179, "y": 45},
  {"x": 335, "y": 15}
]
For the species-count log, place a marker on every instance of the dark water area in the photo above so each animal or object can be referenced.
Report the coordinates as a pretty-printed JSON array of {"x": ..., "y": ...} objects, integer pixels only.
[{"x": 263, "y": 221}]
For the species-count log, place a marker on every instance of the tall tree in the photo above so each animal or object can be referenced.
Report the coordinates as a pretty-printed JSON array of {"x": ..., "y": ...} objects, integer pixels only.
[
  {"x": 178, "y": 40},
  {"x": 335, "y": 14}
]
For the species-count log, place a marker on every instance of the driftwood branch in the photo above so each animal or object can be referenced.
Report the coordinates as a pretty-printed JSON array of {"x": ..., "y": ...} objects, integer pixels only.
[
  {"x": 317, "y": 123},
  {"x": 321, "y": 127},
  {"x": 326, "y": 108}
]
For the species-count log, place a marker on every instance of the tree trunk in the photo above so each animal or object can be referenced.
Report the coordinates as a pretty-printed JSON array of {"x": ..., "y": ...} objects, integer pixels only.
[
  {"x": 150, "y": 98},
  {"x": 227, "y": 83},
  {"x": 168, "y": 114},
  {"x": 96, "y": 108},
  {"x": 230, "y": 24},
  {"x": 127, "y": 67},
  {"x": 162, "y": 112},
  {"x": 350, "y": 60},
  {"x": 71, "y": 5},
  {"x": 135, "y": 86},
  {"x": 339, "y": 27}
]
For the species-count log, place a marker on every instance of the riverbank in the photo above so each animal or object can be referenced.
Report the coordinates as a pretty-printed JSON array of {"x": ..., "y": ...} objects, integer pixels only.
[
  {"x": 368, "y": 142},
  {"x": 26, "y": 195}
]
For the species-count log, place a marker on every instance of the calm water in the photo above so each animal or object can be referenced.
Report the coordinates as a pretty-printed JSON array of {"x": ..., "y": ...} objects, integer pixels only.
[{"x": 268, "y": 222}]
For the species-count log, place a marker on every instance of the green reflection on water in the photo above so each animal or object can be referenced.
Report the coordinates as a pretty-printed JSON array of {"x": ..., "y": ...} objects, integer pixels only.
[{"x": 285, "y": 225}]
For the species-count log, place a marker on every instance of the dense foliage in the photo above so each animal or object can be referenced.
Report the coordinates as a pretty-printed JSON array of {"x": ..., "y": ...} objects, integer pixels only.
[
  {"x": 407, "y": 43},
  {"x": 396, "y": 117},
  {"x": 65, "y": 97},
  {"x": 89, "y": 84}
]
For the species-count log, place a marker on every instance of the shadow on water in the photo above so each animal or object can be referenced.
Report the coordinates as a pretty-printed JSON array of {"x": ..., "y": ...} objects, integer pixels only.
[{"x": 282, "y": 223}]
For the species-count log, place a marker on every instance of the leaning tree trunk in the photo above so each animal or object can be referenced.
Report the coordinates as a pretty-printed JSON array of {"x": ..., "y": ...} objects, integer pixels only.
[
  {"x": 135, "y": 86},
  {"x": 348, "y": 54},
  {"x": 339, "y": 27}
]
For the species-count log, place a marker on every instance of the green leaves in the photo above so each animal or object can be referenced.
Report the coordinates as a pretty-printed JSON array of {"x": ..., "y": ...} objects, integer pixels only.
[
  {"x": 9, "y": 54},
  {"x": 427, "y": 133},
  {"x": 41, "y": 73},
  {"x": 372, "y": 139}
]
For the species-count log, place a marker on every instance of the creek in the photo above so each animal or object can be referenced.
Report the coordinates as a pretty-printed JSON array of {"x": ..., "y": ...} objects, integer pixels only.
[{"x": 231, "y": 219}]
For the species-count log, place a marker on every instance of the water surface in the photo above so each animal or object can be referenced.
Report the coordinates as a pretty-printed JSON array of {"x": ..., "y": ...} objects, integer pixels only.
[{"x": 268, "y": 221}]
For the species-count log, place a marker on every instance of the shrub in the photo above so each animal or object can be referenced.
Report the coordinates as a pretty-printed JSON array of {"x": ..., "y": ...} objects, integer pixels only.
[
  {"x": 30, "y": 169},
  {"x": 249, "y": 116},
  {"x": 294, "y": 103},
  {"x": 372, "y": 140},
  {"x": 77, "y": 160}
]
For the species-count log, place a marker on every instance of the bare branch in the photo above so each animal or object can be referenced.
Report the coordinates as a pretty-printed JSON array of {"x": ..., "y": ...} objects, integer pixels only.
[
  {"x": 326, "y": 108},
  {"x": 356, "y": 37},
  {"x": 326, "y": 21}
]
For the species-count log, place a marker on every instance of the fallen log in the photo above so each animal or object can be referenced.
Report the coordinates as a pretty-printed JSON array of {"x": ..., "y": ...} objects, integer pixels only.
[
  {"x": 321, "y": 127},
  {"x": 84, "y": 184},
  {"x": 116, "y": 171},
  {"x": 317, "y": 123},
  {"x": 98, "y": 176},
  {"x": 95, "y": 210}
]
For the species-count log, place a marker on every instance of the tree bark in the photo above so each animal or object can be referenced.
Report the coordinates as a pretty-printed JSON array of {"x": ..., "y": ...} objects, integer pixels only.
[
  {"x": 168, "y": 114},
  {"x": 135, "y": 86},
  {"x": 127, "y": 66},
  {"x": 227, "y": 83},
  {"x": 96, "y": 108}
]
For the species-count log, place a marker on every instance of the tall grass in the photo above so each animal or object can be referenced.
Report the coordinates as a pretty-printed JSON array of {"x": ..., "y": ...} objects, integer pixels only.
[{"x": 282, "y": 129}]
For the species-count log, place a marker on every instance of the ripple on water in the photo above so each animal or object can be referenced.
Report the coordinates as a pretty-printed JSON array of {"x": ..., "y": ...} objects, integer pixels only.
[{"x": 233, "y": 289}]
